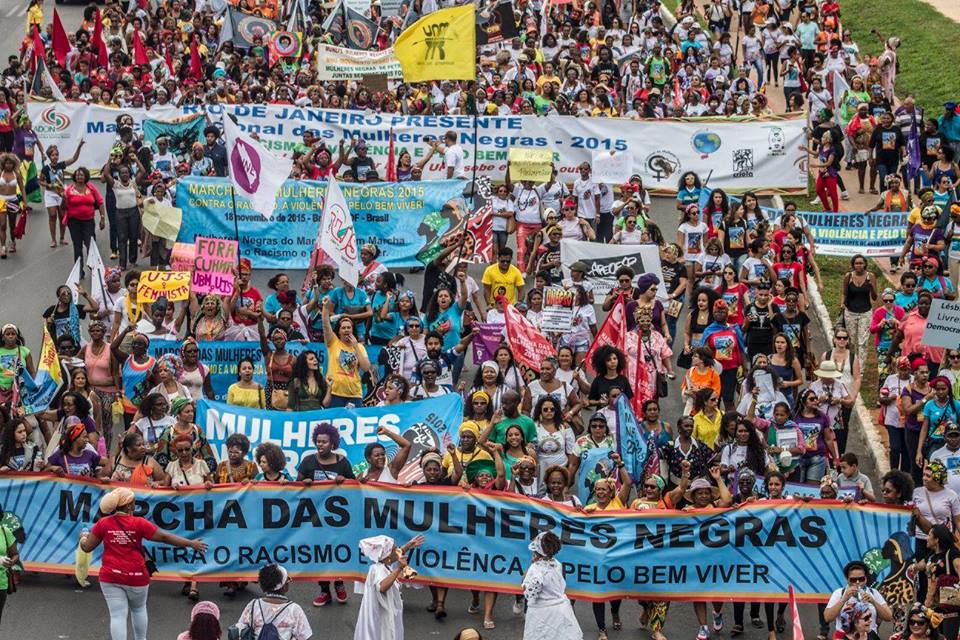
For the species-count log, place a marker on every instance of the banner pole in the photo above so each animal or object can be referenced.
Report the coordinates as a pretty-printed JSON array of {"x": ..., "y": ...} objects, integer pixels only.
[{"x": 236, "y": 224}]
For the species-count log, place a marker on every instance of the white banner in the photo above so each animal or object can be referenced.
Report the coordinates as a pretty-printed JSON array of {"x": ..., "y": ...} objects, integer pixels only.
[
  {"x": 340, "y": 63},
  {"x": 603, "y": 260},
  {"x": 737, "y": 155}
]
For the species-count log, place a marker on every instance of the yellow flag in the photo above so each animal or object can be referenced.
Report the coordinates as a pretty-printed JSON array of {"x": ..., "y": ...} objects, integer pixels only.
[{"x": 440, "y": 46}]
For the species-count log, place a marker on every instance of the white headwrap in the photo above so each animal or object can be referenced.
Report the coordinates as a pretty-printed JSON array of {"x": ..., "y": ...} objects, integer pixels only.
[
  {"x": 377, "y": 548},
  {"x": 537, "y": 545}
]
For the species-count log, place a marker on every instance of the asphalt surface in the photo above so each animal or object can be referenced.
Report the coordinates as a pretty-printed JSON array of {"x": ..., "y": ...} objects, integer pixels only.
[{"x": 52, "y": 607}]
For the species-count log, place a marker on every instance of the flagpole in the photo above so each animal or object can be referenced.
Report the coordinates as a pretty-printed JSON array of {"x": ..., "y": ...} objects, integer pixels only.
[{"x": 236, "y": 224}]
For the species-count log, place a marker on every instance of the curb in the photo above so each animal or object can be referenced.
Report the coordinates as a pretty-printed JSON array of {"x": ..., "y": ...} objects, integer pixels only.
[{"x": 870, "y": 429}]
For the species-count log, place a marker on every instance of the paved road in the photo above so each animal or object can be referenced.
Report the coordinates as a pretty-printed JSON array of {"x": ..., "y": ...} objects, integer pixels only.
[{"x": 51, "y": 607}]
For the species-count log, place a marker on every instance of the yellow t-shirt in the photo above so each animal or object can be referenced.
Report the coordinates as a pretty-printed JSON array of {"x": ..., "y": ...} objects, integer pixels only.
[
  {"x": 344, "y": 367},
  {"x": 250, "y": 398},
  {"x": 501, "y": 283},
  {"x": 706, "y": 430}
]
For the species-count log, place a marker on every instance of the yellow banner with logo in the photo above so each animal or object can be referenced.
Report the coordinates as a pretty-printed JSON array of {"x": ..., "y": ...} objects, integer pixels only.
[{"x": 440, "y": 46}]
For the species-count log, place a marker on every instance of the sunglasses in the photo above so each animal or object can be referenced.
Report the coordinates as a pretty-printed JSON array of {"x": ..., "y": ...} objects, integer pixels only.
[
  {"x": 917, "y": 622},
  {"x": 650, "y": 486},
  {"x": 842, "y": 337},
  {"x": 859, "y": 580},
  {"x": 414, "y": 325},
  {"x": 954, "y": 356}
]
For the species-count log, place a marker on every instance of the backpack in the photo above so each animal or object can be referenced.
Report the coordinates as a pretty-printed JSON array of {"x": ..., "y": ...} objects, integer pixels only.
[{"x": 269, "y": 630}]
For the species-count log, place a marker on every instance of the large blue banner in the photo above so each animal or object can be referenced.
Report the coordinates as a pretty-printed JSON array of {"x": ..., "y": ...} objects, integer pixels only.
[
  {"x": 221, "y": 358},
  {"x": 752, "y": 553},
  {"x": 428, "y": 424},
  {"x": 403, "y": 219}
]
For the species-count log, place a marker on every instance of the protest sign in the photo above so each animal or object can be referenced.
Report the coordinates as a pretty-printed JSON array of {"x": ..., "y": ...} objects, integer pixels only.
[
  {"x": 612, "y": 167},
  {"x": 530, "y": 164},
  {"x": 557, "y": 309},
  {"x": 943, "y": 324},
  {"x": 161, "y": 220},
  {"x": 750, "y": 554},
  {"x": 486, "y": 342},
  {"x": 528, "y": 345},
  {"x": 812, "y": 490},
  {"x": 340, "y": 63},
  {"x": 428, "y": 424},
  {"x": 214, "y": 260},
  {"x": 173, "y": 285},
  {"x": 603, "y": 260},
  {"x": 407, "y": 221},
  {"x": 220, "y": 357},
  {"x": 496, "y": 23},
  {"x": 182, "y": 256}
]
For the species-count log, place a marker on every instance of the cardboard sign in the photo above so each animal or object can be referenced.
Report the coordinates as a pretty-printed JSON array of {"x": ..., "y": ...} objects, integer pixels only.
[
  {"x": 530, "y": 164},
  {"x": 943, "y": 324},
  {"x": 161, "y": 220},
  {"x": 173, "y": 285},
  {"x": 182, "y": 256},
  {"x": 557, "y": 309},
  {"x": 213, "y": 264},
  {"x": 612, "y": 168}
]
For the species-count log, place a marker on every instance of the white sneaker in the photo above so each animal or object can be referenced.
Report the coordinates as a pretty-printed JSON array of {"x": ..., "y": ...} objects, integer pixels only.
[
  {"x": 517, "y": 607},
  {"x": 815, "y": 201},
  {"x": 844, "y": 195}
]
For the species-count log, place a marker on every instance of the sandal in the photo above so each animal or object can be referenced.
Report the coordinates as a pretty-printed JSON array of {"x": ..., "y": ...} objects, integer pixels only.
[
  {"x": 616, "y": 626},
  {"x": 194, "y": 595},
  {"x": 432, "y": 607},
  {"x": 756, "y": 622},
  {"x": 441, "y": 612},
  {"x": 53, "y": 245},
  {"x": 489, "y": 624},
  {"x": 780, "y": 624},
  {"x": 736, "y": 630},
  {"x": 3, "y": 253}
]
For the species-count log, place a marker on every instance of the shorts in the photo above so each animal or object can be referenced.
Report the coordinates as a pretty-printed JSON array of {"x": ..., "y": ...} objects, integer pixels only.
[
  {"x": 728, "y": 385},
  {"x": 52, "y": 199}
]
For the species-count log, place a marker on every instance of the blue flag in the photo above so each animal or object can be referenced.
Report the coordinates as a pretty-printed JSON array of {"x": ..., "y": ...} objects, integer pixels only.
[
  {"x": 594, "y": 464},
  {"x": 631, "y": 441}
]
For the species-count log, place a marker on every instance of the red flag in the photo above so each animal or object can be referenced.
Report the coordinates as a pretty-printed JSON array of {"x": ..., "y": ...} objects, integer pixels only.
[
  {"x": 391, "y": 161},
  {"x": 38, "y": 48},
  {"x": 528, "y": 345},
  {"x": 97, "y": 39},
  {"x": 196, "y": 66},
  {"x": 61, "y": 44},
  {"x": 139, "y": 52},
  {"x": 613, "y": 331},
  {"x": 797, "y": 627},
  {"x": 102, "y": 58},
  {"x": 168, "y": 58}
]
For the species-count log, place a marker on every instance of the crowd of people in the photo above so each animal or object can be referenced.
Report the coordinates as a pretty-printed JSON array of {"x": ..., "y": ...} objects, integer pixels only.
[{"x": 763, "y": 407}]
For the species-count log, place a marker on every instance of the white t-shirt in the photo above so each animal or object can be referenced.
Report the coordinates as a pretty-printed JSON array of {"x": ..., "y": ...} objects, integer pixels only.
[
  {"x": 453, "y": 157},
  {"x": 838, "y": 595},
  {"x": 713, "y": 265},
  {"x": 291, "y": 624},
  {"x": 498, "y": 205},
  {"x": 552, "y": 197},
  {"x": 693, "y": 236},
  {"x": 527, "y": 204},
  {"x": 951, "y": 460},
  {"x": 586, "y": 192},
  {"x": 945, "y": 503}
]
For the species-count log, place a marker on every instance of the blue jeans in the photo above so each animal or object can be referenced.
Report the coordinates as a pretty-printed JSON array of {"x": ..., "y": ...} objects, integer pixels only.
[
  {"x": 883, "y": 171},
  {"x": 812, "y": 468},
  {"x": 122, "y": 599}
]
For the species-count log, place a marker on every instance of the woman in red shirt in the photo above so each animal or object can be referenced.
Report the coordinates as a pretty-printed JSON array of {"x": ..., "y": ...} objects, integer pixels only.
[
  {"x": 81, "y": 201},
  {"x": 124, "y": 578}
]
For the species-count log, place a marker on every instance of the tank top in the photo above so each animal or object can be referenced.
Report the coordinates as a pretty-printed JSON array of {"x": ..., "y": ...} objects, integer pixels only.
[
  {"x": 786, "y": 375},
  {"x": 98, "y": 369},
  {"x": 696, "y": 328},
  {"x": 193, "y": 382},
  {"x": 560, "y": 394},
  {"x": 845, "y": 368},
  {"x": 280, "y": 373},
  {"x": 858, "y": 297},
  {"x": 126, "y": 195}
]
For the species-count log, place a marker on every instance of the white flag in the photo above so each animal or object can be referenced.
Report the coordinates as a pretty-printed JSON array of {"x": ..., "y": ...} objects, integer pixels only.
[
  {"x": 256, "y": 173},
  {"x": 74, "y": 279},
  {"x": 98, "y": 279},
  {"x": 337, "y": 239}
]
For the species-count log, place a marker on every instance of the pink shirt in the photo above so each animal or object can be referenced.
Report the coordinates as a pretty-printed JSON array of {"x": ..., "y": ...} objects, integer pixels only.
[{"x": 912, "y": 326}]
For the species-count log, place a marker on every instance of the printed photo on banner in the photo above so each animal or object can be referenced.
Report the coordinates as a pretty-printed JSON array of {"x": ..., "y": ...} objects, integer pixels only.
[
  {"x": 635, "y": 554},
  {"x": 603, "y": 261},
  {"x": 214, "y": 261},
  {"x": 172, "y": 285}
]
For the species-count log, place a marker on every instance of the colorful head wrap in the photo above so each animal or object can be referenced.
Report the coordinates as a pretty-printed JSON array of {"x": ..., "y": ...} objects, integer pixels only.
[
  {"x": 177, "y": 405},
  {"x": 245, "y": 264},
  {"x": 476, "y": 467},
  {"x": 429, "y": 457},
  {"x": 171, "y": 362},
  {"x": 471, "y": 426},
  {"x": 112, "y": 273},
  {"x": 938, "y": 471}
]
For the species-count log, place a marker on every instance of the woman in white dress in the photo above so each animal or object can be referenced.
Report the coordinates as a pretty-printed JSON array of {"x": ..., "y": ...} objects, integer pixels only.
[
  {"x": 549, "y": 612},
  {"x": 381, "y": 610}
]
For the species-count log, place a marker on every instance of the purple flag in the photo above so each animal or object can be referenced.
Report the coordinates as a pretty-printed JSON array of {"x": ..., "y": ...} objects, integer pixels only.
[
  {"x": 913, "y": 150},
  {"x": 486, "y": 342}
]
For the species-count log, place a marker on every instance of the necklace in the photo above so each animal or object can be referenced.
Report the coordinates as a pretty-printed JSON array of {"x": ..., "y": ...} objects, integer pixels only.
[{"x": 133, "y": 315}]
